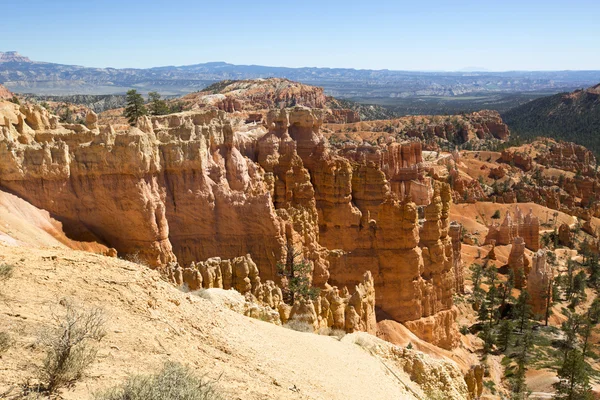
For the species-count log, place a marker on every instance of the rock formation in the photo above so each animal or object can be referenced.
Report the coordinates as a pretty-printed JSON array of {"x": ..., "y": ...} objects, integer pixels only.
[
  {"x": 565, "y": 237},
  {"x": 527, "y": 227},
  {"x": 474, "y": 380},
  {"x": 196, "y": 185},
  {"x": 13, "y": 56},
  {"x": 569, "y": 157},
  {"x": 5, "y": 94},
  {"x": 333, "y": 308},
  {"x": 539, "y": 281},
  {"x": 455, "y": 233},
  {"x": 250, "y": 96},
  {"x": 492, "y": 253},
  {"x": 518, "y": 262},
  {"x": 518, "y": 159}
]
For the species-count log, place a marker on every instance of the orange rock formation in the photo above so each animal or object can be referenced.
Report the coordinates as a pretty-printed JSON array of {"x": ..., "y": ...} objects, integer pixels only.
[{"x": 195, "y": 185}]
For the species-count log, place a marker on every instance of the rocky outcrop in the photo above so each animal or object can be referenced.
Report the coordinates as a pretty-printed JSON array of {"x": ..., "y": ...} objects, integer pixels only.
[
  {"x": 197, "y": 185},
  {"x": 517, "y": 158},
  {"x": 456, "y": 232},
  {"x": 565, "y": 237},
  {"x": 340, "y": 309},
  {"x": 569, "y": 157},
  {"x": 13, "y": 56},
  {"x": 474, "y": 380},
  {"x": 527, "y": 227},
  {"x": 481, "y": 125},
  {"x": 332, "y": 308},
  {"x": 518, "y": 263},
  {"x": 539, "y": 281},
  {"x": 5, "y": 94}
]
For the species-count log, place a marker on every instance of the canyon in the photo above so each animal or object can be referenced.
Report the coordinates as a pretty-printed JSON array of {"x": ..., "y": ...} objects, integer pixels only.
[{"x": 388, "y": 216}]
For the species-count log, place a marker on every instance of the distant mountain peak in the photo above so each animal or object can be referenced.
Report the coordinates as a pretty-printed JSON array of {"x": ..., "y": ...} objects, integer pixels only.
[{"x": 13, "y": 56}]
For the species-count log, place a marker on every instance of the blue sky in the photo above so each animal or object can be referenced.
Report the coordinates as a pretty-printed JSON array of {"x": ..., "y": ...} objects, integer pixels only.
[{"x": 402, "y": 35}]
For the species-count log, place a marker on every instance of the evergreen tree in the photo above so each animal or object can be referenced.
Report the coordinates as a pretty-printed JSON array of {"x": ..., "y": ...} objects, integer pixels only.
[
  {"x": 157, "y": 106},
  {"x": 594, "y": 268},
  {"x": 550, "y": 297},
  {"x": 574, "y": 380},
  {"x": 578, "y": 289},
  {"x": 518, "y": 384},
  {"x": 135, "y": 107},
  {"x": 505, "y": 334},
  {"x": 296, "y": 276},
  {"x": 522, "y": 310}
]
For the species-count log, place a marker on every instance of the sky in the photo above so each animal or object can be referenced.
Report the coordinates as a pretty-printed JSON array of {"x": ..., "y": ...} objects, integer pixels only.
[{"x": 377, "y": 34}]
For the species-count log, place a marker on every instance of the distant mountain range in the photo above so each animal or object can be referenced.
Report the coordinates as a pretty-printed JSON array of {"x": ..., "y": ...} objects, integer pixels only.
[
  {"x": 19, "y": 74},
  {"x": 573, "y": 117}
]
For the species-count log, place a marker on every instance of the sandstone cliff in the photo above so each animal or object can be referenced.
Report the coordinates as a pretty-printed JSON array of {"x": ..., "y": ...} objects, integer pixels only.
[{"x": 187, "y": 187}]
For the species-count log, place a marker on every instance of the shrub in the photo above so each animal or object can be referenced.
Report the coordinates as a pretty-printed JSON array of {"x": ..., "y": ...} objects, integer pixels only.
[
  {"x": 5, "y": 342},
  {"x": 337, "y": 333},
  {"x": 496, "y": 214},
  {"x": 300, "y": 326},
  {"x": 6, "y": 271},
  {"x": 464, "y": 330},
  {"x": 71, "y": 344},
  {"x": 173, "y": 382}
]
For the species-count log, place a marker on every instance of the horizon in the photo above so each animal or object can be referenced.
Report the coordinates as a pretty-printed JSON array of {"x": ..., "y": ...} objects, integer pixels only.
[
  {"x": 399, "y": 36},
  {"x": 465, "y": 70}
]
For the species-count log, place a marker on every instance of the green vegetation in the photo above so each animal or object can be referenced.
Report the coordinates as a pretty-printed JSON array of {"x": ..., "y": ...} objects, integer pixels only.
[
  {"x": 572, "y": 117},
  {"x": 296, "y": 277},
  {"x": 173, "y": 382},
  {"x": 157, "y": 106},
  {"x": 135, "y": 107}
]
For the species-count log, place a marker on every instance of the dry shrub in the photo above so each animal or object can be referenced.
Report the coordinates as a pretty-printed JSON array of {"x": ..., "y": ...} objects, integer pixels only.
[
  {"x": 71, "y": 344},
  {"x": 6, "y": 271},
  {"x": 5, "y": 342},
  {"x": 173, "y": 382},
  {"x": 300, "y": 326},
  {"x": 333, "y": 332}
]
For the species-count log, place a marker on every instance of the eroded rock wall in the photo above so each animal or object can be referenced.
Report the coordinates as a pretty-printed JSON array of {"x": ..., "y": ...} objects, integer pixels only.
[{"x": 197, "y": 185}]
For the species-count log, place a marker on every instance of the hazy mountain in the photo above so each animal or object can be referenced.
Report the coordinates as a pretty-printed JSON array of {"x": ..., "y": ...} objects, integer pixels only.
[{"x": 22, "y": 75}]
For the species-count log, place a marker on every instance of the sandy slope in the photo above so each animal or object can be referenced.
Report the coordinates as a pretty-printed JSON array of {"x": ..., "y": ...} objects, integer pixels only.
[
  {"x": 150, "y": 322},
  {"x": 22, "y": 224}
]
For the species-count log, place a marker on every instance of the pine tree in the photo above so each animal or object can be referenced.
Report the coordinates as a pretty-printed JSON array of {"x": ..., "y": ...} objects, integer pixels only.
[
  {"x": 578, "y": 289},
  {"x": 505, "y": 334},
  {"x": 157, "y": 105},
  {"x": 574, "y": 380},
  {"x": 297, "y": 277},
  {"x": 522, "y": 310},
  {"x": 135, "y": 107},
  {"x": 518, "y": 384},
  {"x": 550, "y": 298}
]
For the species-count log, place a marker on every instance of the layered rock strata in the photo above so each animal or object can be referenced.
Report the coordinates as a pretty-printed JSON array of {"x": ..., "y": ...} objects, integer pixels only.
[
  {"x": 527, "y": 227},
  {"x": 539, "y": 281},
  {"x": 333, "y": 308},
  {"x": 518, "y": 262},
  {"x": 196, "y": 185}
]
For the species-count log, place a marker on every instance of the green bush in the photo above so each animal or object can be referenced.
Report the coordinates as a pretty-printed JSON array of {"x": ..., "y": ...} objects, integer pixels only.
[{"x": 173, "y": 382}]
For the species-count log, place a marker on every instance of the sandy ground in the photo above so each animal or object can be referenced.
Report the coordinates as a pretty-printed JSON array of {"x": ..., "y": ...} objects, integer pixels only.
[
  {"x": 22, "y": 224},
  {"x": 150, "y": 322}
]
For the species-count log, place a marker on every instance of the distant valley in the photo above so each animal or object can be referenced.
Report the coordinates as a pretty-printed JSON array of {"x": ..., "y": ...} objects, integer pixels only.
[{"x": 434, "y": 92}]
